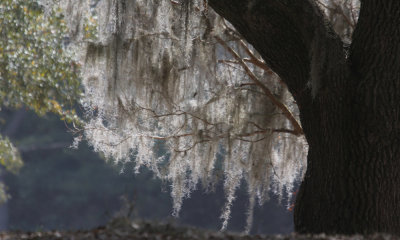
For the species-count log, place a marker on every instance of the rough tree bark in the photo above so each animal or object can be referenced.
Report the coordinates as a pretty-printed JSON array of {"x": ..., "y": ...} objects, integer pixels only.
[{"x": 349, "y": 103}]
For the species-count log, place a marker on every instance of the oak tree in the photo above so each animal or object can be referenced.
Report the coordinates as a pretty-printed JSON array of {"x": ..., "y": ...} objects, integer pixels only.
[
  {"x": 349, "y": 115},
  {"x": 259, "y": 90}
]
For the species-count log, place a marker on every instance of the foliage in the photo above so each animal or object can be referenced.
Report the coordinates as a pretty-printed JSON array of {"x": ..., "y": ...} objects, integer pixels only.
[
  {"x": 173, "y": 75},
  {"x": 156, "y": 78},
  {"x": 9, "y": 156},
  {"x": 35, "y": 72}
]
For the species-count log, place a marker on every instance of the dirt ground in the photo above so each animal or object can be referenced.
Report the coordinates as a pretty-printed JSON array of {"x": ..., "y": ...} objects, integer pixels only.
[{"x": 125, "y": 229}]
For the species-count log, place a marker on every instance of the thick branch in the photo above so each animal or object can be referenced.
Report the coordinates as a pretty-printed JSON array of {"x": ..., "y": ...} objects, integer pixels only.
[
  {"x": 375, "y": 65},
  {"x": 376, "y": 39},
  {"x": 284, "y": 33}
]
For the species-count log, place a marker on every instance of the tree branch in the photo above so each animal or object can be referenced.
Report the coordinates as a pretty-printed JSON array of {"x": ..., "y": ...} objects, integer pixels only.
[
  {"x": 284, "y": 32},
  {"x": 297, "y": 128},
  {"x": 375, "y": 45}
]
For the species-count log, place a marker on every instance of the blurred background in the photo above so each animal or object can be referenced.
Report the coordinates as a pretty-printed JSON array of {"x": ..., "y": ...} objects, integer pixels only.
[{"x": 68, "y": 189}]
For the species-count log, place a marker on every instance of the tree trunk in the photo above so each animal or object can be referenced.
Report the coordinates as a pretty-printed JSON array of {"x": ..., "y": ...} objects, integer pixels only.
[
  {"x": 349, "y": 107},
  {"x": 353, "y": 177}
]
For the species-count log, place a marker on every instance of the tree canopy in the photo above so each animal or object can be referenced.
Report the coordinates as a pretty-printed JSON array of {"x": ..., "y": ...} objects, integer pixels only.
[
  {"x": 174, "y": 76},
  {"x": 197, "y": 96},
  {"x": 35, "y": 70}
]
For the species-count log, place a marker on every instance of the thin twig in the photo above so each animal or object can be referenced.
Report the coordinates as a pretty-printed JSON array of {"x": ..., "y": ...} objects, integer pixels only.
[{"x": 297, "y": 128}]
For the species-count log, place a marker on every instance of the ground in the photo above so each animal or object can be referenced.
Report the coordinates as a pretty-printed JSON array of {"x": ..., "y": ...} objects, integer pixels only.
[{"x": 125, "y": 229}]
